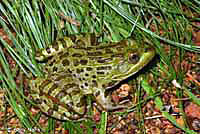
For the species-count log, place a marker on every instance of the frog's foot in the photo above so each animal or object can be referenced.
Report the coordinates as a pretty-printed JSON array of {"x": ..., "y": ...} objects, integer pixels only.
[{"x": 106, "y": 103}]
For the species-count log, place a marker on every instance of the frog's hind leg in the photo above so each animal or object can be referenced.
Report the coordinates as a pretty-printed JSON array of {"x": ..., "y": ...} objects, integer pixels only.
[
  {"x": 59, "y": 96},
  {"x": 56, "y": 47},
  {"x": 80, "y": 40}
]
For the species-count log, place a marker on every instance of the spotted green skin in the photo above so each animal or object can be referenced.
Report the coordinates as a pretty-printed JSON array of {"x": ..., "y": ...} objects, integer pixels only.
[{"x": 78, "y": 66}]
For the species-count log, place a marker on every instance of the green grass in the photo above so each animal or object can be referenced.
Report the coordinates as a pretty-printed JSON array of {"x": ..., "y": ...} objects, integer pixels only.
[{"x": 39, "y": 23}]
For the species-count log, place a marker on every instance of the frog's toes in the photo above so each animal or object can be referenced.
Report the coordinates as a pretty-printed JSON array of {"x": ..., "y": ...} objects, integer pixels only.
[{"x": 107, "y": 104}]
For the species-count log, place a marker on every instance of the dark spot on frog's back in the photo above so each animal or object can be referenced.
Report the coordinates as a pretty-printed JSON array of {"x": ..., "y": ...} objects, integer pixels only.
[
  {"x": 53, "y": 87},
  {"x": 80, "y": 43},
  {"x": 72, "y": 37},
  {"x": 65, "y": 62},
  {"x": 104, "y": 60},
  {"x": 109, "y": 51},
  {"x": 104, "y": 68},
  {"x": 45, "y": 83},
  {"x": 52, "y": 62},
  {"x": 69, "y": 70},
  {"x": 97, "y": 53},
  {"x": 89, "y": 69},
  {"x": 88, "y": 48},
  {"x": 94, "y": 76},
  {"x": 38, "y": 53},
  {"x": 83, "y": 62},
  {"x": 38, "y": 100},
  {"x": 72, "y": 85},
  {"x": 86, "y": 84},
  {"x": 60, "y": 53},
  {"x": 122, "y": 43},
  {"x": 120, "y": 49},
  {"x": 100, "y": 73},
  {"x": 79, "y": 70},
  {"x": 94, "y": 83},
  {"x": 77, "y": 55},
  {"x": 82, "y": 87},
  {"x": 55, "y": 69},
  {"x": 63, "y": 42},
  {"x": 93, "y": 39},
  {"x": 75, "y": 62},
  {"x": 44, "y": 101},
  {"x": 64, "y": 55},
  {"x": 55, "y": 46},
  {"x": 60, "y": 77},
  {"x": 120, "y": 55},
  {"x": 104, "y": 47},
  {"x": 48, "y": 50}
]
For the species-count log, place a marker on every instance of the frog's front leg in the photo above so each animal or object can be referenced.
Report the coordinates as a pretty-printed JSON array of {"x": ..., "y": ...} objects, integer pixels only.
[{"x": 105, "y": 101}]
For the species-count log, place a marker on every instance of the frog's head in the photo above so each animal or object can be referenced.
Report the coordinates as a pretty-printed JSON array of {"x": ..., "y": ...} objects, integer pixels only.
[{"x": 135, "y": 57}]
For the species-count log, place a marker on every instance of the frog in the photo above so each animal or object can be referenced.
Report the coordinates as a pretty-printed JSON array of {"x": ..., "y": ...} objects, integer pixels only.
[{"x": 77, "y": 66}]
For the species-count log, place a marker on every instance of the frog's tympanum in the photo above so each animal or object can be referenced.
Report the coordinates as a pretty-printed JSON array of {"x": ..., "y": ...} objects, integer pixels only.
[{"x": 79, "y": 65}]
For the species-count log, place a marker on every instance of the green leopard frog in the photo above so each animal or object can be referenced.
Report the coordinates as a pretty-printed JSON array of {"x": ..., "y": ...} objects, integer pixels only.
[{"x": 79, "y": 65}]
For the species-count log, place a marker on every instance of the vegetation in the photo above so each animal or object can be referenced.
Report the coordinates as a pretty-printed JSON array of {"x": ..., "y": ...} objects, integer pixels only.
[{"x": 169, "y": 25}]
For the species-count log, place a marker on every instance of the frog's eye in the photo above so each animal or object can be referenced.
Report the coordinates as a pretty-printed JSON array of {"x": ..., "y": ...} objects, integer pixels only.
[{"x": 133, "y": 58}]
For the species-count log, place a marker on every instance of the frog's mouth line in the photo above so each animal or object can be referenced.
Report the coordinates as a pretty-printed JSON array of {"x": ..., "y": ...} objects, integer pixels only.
[{"x": 144, "y": 60}]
